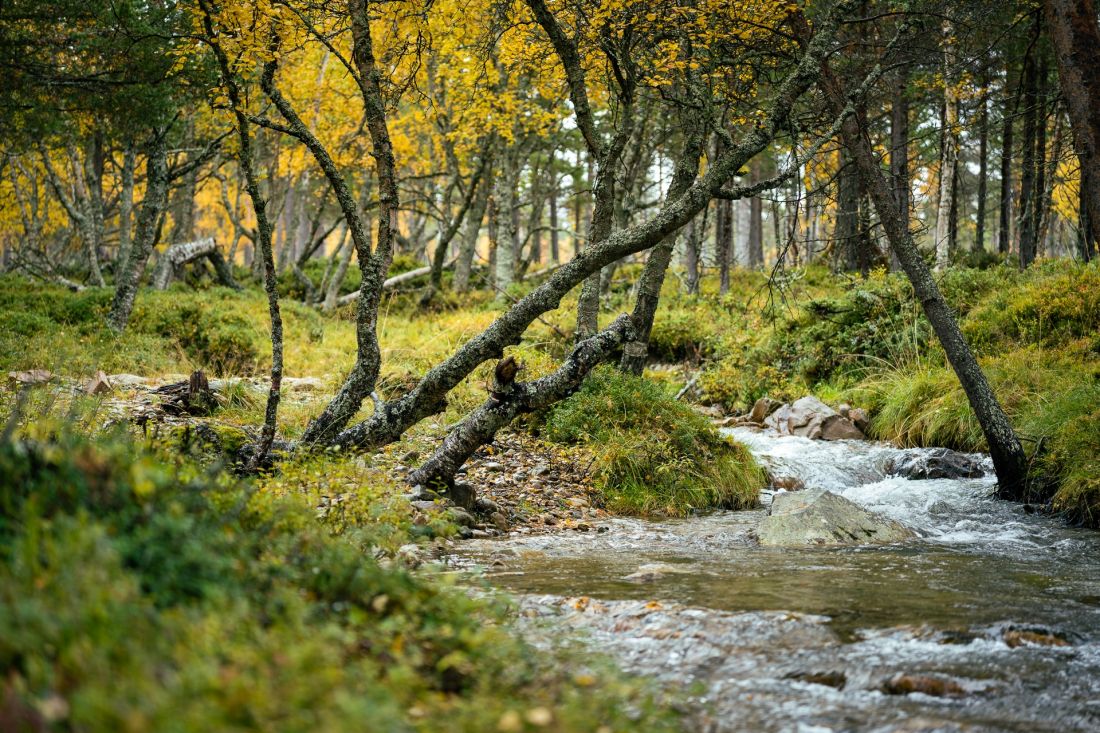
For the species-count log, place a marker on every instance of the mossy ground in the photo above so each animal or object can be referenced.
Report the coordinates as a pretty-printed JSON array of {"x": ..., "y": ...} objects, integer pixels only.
[
  {"x": 142, "y": 590},
  {"x": 144, "y": 586}
]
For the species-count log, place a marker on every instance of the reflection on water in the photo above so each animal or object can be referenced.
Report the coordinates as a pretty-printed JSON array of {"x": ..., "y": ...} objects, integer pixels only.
[{"x": 942, "y": 605}]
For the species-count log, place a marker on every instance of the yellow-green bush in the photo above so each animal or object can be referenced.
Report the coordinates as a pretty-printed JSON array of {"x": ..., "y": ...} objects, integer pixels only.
[{"x": 1052, "y": 399}]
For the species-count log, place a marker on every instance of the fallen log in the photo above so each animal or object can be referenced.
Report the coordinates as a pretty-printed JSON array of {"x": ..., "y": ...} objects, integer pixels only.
[
  {"x": 391, "y": 282},
  {"x": 181, "y": 254}
]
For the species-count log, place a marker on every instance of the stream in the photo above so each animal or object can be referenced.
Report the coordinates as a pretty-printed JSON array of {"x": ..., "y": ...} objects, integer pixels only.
[{"x": 998, "y": 608}]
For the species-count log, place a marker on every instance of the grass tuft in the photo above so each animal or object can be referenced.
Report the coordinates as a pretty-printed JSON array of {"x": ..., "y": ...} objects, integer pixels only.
[{"x": 654, "y": 455}]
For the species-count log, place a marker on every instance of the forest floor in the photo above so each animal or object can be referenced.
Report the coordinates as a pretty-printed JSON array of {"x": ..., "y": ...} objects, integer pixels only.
[{"x": 619, "y": 446}]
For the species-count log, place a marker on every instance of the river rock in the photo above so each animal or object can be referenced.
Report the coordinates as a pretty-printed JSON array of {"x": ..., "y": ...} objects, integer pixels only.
[
  {"x": 303, "y": 384},
  {"x": 98, "y": 384},
  {"x": 762, "y": 408},
  {"x": 655, "y": 571},
  {"x": 811, "y": 418},
  {"x": 936, "y": 463},
  {"x": 819, "y": 517},
  {"x": 30, "y": 377},
  {"x": 907, "y": 684},
  {"x": 129, "y": 381}
]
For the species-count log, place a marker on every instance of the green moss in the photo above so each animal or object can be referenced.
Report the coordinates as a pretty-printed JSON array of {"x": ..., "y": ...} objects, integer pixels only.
[{"x": 654, "y": 455}]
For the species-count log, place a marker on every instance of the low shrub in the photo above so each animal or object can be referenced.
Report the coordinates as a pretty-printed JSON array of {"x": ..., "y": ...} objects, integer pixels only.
[
  {"x": 213, "y": 332},
  {"x": 653, "y": 455}
]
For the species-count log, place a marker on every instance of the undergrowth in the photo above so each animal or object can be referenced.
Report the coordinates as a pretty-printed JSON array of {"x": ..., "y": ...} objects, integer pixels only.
[{"x": 141, "y": 591}]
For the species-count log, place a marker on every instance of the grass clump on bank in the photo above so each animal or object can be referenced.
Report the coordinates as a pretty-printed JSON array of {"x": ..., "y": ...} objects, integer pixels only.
[
  {"x": 653, "y": 455},
  {"x": 142, "y": 592}
]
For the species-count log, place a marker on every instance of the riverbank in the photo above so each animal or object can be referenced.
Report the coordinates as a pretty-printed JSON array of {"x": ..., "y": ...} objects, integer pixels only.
[{"x": 986, "y": 619}]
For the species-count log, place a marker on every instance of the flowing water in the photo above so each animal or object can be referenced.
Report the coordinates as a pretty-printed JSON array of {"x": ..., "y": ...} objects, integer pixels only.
[{"x": 1000, "y": 606}]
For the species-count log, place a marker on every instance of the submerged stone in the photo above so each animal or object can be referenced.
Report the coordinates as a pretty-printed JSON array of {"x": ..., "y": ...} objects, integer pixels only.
[
  {"x": 937, "y": 463},
  {"x": 819, "y": 517}
]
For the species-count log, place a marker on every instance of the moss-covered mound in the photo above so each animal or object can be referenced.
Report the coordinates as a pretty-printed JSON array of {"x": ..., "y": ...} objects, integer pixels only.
[{"x": 653, "y": 454}]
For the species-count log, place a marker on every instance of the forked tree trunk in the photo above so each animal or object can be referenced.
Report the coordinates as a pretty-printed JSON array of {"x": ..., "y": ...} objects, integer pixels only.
[
  {"x": 509, "y": 399},
  {"x": 1004, "y": 446},
  {"x": 392, "y": 418}
]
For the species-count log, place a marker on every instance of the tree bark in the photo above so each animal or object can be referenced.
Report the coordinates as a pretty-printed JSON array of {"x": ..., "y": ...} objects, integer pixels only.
[
  {"x": 93, "y": 216},
  {"x": 468, "y": 249},
  {"x": 510, "y": 399},
  {"x": 691, "y": 256},
  {"x": 156, "y": 198},
  {"x": 390, "y": 419},
  {"x": 1011, "y": 105},
  {"x": 439, "y": 256},
  {"x": 332, "y": 292},
  {"x": 1075, "y": 34},
  {"x": 505, "y": 195},
  {"x": 949, "y": 155},
  {"x": 1025, "y": 210},
  {"x": 263, "y": 237},
  {"x": 1004, "y": 446},
  {"x": 1087, "y": 239},
  {"x": 645, "y": 307},
  {"x": 125, "y": 207},
  {"x": 555, "y": 254},
  {"x": 983, "y": 157},
  {"x": 846, "y": 229}
]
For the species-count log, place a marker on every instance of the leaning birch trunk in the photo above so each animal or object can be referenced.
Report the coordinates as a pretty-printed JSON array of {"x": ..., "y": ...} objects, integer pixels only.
[
  {"x": 179, "y": 255},
  {"x": 1004, "y": 447},
  {"x": 636, "y": 349},
  {"x": 507, "y": 399},
  {"x": 392, "y": 418}
]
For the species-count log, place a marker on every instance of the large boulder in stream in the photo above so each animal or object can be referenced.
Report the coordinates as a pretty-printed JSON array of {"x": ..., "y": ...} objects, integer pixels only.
[
  {"x": 811, "y": 418},
  {"x": 819, "y": 517}
]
